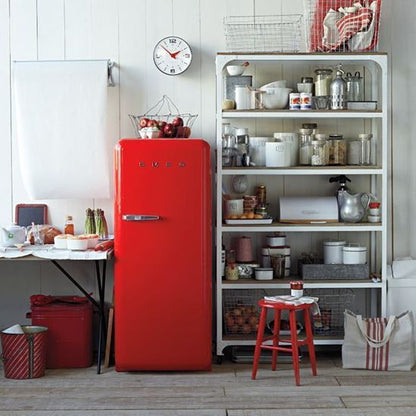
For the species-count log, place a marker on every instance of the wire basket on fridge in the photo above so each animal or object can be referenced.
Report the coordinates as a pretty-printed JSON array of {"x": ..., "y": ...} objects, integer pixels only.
[
  {"x": 163, "y": 113},
  {"x": 332, "y": 304},
  {"x": 276, "y": 33},
  {"x": 342, "y": 25}
]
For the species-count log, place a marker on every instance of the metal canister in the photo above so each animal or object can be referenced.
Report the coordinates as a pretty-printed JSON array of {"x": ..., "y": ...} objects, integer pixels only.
[{"x": 305, "y": 100}]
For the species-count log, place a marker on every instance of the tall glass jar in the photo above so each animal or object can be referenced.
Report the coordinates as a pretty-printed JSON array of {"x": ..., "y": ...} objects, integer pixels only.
[
  {"x": 324, "y": 138},
  {"x": 337, "y": 149},
  {"x": 305, "y": 146},
  {"x": 318, "y": 153},
  {"x": 365, "y": 149},
  {"x": 322, "y": 81}
]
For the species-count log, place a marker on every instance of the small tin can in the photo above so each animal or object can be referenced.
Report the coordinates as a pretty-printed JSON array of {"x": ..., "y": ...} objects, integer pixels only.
[
  {"x": 294, "y": 101},
  {"x": 305, "y": 100}
]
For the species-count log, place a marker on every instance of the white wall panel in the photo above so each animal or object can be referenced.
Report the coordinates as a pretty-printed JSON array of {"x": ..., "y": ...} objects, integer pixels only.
[{"x": 5, "y": 132}]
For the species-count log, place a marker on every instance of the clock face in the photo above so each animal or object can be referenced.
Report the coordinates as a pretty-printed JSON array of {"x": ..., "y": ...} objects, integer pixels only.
[{"x": 172, "y": 55}]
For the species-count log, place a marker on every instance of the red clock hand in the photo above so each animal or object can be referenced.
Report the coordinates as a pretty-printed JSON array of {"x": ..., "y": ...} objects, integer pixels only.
[{"x": 171, "y": 54}]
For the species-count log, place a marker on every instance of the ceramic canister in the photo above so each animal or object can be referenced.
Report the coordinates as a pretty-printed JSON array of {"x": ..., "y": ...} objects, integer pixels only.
[
  {"x": 354, "y": 254},
  {"x": 293, "y": 140},
  {"x": 244, "y": 250},
  {"x": 277, "y": 154},
  {"x": 258, "y": 150},
  {"x": 333, "y": 252}
]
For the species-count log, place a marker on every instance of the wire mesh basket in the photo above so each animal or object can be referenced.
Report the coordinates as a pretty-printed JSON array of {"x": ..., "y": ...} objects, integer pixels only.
[
  {"x": 332, "y": 304},
  {"x": 163, "y": 113},
  {"x": 342, "y": 25},
  {"x": 241, "y": 313},
  {"x": 276, "y": 33}
]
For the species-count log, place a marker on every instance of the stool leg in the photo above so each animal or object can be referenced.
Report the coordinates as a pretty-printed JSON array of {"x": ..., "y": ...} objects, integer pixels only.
[
  {"x": 309, "y": 338},
  {"x": 294, "y": 342},
  {"x": 257, "y": 351},
  {"x": 276, "y": 331}
]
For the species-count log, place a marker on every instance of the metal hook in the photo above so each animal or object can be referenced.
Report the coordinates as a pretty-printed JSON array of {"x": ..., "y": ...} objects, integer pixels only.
[{"x": 111, "y": 65}]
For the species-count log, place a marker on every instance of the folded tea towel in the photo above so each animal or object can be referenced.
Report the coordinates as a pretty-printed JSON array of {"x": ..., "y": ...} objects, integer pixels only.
[{"x": 293, "y": 300}]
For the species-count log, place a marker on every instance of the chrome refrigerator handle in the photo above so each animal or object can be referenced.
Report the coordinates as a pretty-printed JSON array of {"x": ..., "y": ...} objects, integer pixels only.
[{"x": 140, "y": 217}]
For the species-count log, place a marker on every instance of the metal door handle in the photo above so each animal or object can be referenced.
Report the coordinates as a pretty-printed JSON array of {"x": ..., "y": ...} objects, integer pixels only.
[{"x": 140, "y": 217}]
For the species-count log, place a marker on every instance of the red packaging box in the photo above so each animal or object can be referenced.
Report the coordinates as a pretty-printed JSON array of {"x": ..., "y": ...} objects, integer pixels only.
[{"x": 69, "y": 333}]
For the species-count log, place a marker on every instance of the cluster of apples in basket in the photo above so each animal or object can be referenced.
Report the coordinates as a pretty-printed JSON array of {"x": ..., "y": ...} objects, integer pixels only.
[{"x": 152, "y": 129}]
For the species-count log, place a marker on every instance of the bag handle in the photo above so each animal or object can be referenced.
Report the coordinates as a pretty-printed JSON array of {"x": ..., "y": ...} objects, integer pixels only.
[{"x": 375, "y": 343}]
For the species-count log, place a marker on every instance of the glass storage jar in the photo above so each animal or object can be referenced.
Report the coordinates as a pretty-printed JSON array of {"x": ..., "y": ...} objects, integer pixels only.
[
  {"x": 318, "y": 153},
  {"x": 324, "y": 138},
  {"x": 337, "y": 149},
  {"x": 305, "y": 146},
  {"x": 322, "y": 81},
  {"x": 364, "y": 154}
]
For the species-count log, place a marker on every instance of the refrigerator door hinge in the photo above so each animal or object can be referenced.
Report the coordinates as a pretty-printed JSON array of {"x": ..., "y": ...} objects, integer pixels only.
[{"x": 140, "y": 217}]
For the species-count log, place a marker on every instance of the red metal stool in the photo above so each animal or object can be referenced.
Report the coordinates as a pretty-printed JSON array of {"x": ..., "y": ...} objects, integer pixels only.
[{"x": 293, "y": 341}]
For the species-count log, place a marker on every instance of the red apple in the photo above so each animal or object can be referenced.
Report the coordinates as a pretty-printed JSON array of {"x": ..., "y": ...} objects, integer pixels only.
[
  {"x": 161, "y": 134},
  {"x": 177, "y": 122},
  {"x": 161, "y": 125},
  {"x": 180, "y": 131},
  {"x": 152, "y": 123},
  {"x": 143, "y": 122},
  {"x": 186, "y": 132},
  {"x": 168, "y": 130}
]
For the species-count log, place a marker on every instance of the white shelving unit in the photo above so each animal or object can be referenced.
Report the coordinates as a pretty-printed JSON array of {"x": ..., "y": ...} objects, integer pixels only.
[{"x": 270, "y": 67}]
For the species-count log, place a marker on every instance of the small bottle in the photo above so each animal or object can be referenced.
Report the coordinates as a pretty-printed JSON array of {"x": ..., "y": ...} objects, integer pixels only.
[{"x": 69, "y": 225}]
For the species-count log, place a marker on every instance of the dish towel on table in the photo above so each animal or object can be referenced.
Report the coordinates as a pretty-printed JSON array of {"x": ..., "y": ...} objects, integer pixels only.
[{"x": 293, "y": 300}]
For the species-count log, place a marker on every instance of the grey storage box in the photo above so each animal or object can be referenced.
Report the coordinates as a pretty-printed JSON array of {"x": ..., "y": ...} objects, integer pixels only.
[{"x": 333, "y": 271}]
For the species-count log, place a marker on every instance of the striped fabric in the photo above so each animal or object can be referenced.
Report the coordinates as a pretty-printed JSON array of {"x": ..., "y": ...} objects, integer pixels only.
[{"x": 377, "y": 358}]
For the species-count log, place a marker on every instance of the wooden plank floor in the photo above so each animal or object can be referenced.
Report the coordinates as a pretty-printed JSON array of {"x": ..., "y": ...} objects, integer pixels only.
[{"x": 226, "y": 391}]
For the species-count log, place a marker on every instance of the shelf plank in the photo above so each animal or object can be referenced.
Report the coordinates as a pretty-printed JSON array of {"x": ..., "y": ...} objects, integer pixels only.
[
  {"x": 306, "y": 170},
  {"x": 331, "y": 227},
  {"x": 302, "y": 114},
  {"x": 307, "y": 284}
]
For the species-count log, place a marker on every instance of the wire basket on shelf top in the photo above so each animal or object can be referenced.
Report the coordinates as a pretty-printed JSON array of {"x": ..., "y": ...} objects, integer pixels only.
[
  {"x": 342, "y": 25},
  {"x": 275, "y": 33},
  {"x": 163, "y": 120}
]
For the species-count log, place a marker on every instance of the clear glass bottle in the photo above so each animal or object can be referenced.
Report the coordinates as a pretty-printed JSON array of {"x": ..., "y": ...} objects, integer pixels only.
[
  {"x": 364, "y": 157},
  {"x": 322, "y": 81},
  {"x": 242, "y": 147},
  {"x": 337, "y": 149},
  {"x": 69, "y": 225},
  {"x": 305, "y": 146}
]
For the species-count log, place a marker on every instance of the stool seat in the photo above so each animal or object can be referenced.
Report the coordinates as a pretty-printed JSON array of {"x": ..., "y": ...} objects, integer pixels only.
[{"x": 293, "y": 343}]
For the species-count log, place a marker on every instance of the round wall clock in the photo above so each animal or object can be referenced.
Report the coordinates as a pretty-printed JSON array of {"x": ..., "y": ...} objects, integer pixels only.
[{"x": 172, "y": 55}]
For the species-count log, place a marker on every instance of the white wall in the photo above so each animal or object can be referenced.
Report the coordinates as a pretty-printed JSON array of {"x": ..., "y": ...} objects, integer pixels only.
[{"x": 125, "y": 31}]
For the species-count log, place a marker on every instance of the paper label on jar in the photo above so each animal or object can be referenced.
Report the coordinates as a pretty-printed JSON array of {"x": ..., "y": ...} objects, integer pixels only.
[{"x": 296, "y": 293}]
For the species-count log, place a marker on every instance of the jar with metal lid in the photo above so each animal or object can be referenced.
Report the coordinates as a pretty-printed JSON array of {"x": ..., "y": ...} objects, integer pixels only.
[
  {"x": 261, "y": 209},
  {"x": 337, "y": 149},
  {"x": 311, "y": 126},
  {"x": 322, "y": 81},
  {"x": 305, "y": 146},
  {"x": 318, "y": 157},
  {"x": 296, "y": 288}
]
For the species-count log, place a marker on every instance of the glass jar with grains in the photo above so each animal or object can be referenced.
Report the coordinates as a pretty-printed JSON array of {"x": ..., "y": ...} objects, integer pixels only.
[{"x": 337, "y": 149}]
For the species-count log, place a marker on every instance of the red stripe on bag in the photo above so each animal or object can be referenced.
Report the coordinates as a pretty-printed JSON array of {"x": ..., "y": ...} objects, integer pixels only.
[
  {"x": 374, "y": 327},
  {"x": 367, "y": 355},
  {"x": 386, "y": 365}
]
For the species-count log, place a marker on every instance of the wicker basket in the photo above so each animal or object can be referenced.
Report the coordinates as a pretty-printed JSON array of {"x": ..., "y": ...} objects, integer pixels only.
[{"x": 278, "y": 33}]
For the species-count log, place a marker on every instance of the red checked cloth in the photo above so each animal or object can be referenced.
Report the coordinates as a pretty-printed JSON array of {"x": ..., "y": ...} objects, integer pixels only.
[
  {"x": 378, "y": 343},
  {"x": 351, "y": 24}
]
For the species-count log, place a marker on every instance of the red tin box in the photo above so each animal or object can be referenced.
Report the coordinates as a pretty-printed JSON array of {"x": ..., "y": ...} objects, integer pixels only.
[{"x": 69, "y": 333}]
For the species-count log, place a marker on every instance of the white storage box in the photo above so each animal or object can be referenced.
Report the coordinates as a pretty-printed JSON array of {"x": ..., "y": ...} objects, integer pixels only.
[{"x": 308, "y": 210}]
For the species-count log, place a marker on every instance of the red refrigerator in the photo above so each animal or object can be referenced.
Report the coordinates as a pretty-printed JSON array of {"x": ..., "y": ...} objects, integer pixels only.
[{"x": 162, "y": 245}]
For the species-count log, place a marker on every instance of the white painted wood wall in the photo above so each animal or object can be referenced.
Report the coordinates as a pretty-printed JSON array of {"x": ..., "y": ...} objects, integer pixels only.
[{"x": 126, "y": 31}]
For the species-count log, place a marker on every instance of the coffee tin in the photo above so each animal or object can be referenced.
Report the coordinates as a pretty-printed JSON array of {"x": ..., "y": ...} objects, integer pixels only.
[
  {"x": 294, "y": 101},
  {"x": 305, "y": 100}
]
